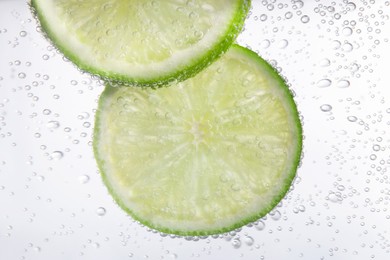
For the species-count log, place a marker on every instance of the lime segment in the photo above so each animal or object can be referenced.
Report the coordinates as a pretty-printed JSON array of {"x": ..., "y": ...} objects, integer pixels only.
[
  {"x": 204, "y": 156},
  {"x": 142, "y": 42}
]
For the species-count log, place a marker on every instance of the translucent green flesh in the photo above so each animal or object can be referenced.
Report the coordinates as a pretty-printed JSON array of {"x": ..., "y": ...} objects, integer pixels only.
[
  {"x": 142, "y": 32},
  {"x": 205, "y": 154}
]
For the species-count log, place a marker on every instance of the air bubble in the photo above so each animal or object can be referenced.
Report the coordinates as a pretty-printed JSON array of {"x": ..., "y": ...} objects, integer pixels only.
[
  {"x": 22, "y": 75},
  {"x": 324, "y": 83},
  {"x": 275, "y": 215},
  {"x": 325, "y": 63},
  {"x": 354, "y": 67},
  {"x": 87, "y": 124},
  {"x": 193, "y": 15},
  {"x": 198, "y": 34},
  {"x": 235, "y": 187},
  {"x": 57, "y": 155},
  {"x": 334, "y": 197},
  {"x": 305, "y": 19},
  {"x": 46, "y": 112},
  {"x": 83, "y": 179},
  {"x": 341, "y": 187},
  {"x": 283, "y": 44},
  {"x": 265, "y": 44},
  {"x": 263, "y": 17},
  {"x": 260, "y": 225},
  {"x": 343, "y": 83},
  {"x": 347, "y": 31},
  {"x": 376, "y": 147},
  {"x": 101, "y": 211},
  {"x": 336, "y": 45},
  {"x": 23, "y": 34},
  {"x": 352, "y": 118},
  {"x": 288, "y": 15},
  {"x": 351, "y": 6},
  {"x": 347, "y": 47},
  {"x": 236, "y": 242},
  {"x": 326, "y": 108}
]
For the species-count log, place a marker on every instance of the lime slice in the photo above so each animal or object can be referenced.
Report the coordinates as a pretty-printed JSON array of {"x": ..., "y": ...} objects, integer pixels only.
[
  {"x": 205, "y": 156},
  {"x": 142, "y": 42}
]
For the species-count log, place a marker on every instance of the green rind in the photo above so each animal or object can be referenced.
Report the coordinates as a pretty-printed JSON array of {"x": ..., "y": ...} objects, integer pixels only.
[
  {"x": 188, "y": 71},
  {"x": 288, "y": 181}
]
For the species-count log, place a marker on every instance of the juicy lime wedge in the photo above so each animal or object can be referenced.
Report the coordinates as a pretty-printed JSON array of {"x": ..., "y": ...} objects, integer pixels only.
[
  {"x": 142, "y": 42},
  {"x": 205, "y": 156}
]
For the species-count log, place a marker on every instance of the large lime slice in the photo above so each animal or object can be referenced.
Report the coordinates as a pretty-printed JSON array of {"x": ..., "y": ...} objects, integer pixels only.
[
  {"x": 142, "y": 41},
  {"x": 204, "y": 156}
]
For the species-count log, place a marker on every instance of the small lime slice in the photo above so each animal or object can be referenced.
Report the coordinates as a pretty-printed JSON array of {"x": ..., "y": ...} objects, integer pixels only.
[
  {"x": 205, "y": 156},
  {"x": 142, "y": 42}
]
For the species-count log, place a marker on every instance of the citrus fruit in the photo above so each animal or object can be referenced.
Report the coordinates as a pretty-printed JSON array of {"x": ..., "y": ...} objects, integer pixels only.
[
  {"x": 204, "y": 156},
  {"x": 141, "y": 42}
]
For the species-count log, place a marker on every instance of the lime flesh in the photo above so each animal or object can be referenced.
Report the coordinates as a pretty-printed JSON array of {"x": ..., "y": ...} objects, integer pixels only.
[{"x": 204, "y": 156}]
